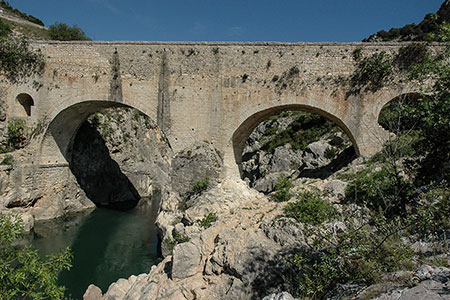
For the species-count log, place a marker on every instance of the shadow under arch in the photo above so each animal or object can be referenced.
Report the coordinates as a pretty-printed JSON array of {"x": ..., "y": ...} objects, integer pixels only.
[
  {"x": 242, "y": 133},
  {"x": 58, "y": 139},
  {"x": 72, "y": 142}
]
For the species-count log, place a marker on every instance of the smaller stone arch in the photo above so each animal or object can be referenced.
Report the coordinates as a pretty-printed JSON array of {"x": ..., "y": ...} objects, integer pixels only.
[
  {"x": 242, "y": 133},
  {"x": 26, "y": 101},
  {"x": 391, "y": 106}
]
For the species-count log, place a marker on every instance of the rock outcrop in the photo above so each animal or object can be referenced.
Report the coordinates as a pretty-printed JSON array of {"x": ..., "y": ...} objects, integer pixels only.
[{"x": 321, "y": 153}]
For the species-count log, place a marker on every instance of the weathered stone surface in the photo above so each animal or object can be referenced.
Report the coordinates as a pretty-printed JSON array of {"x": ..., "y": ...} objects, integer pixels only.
[
  {"x": 194, "y": 164},
  {"x": 284, "y": 231},
  {"x": 93, "y": 293},
  {"x": 314, "y": 155},
  {"x": 117, "y": 290},
  {"x": 186, "y": 260},
  {"x": 280, "y": 296}
]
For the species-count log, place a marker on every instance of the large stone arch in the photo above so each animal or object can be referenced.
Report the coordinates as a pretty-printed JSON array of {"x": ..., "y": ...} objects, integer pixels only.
[
  {"x": 55, "y": 148},
  {"x": 244, "y": 130}
]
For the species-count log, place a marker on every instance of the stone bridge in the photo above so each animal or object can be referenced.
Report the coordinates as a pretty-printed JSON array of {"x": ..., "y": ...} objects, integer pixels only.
[{"x": 216, "y": 92}]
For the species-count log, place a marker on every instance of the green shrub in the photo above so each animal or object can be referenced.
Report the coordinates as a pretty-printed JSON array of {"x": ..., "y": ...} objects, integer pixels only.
[
  {"x": 305, "y": 129},
  {"x": 361, "y": 254},
  {"x": 381, "y": 190},
  {"x": 373, "y": 72},
  {"x": 17, "y": 61},
  {"x": 5, "y": 30},
  {"x": 313, "y": 275},
  {"x": 412, "y": 55},
  {"x": 179, "y": 238},
  {"x": 5, "y": 5},
  {"x": 282, "y": 188},
  {"x": 8, "y": 160},
  {"x": 331, "y": 152},
  {"x": 200, "y": 186},
  {"x": 23, "y": 273},
  {"x": 207, "y": 221},
  {"x": 63, "y": 32},
  {"x": 310, "y": 208},
  {"x": 16, "y": 136}
]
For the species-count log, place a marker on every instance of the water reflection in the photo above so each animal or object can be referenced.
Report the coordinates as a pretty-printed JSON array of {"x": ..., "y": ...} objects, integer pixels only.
[{"x": 107, "y": 245}]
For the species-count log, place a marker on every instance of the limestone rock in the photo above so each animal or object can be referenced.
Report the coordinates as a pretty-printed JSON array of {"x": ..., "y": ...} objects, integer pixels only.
[
  {"x": 117, "y": 290},
  {"x": 92, "y": 293},
  {"x": 186, "y": 260},
  {"x": 194, "y": 164},
  {"x": 280, "y": 296},
  {"x": 285, "y": 159},
  {"x": 336, "y": 188},
  {"x": 314, "y": 155},
  {"x": 284, "y": 231}
]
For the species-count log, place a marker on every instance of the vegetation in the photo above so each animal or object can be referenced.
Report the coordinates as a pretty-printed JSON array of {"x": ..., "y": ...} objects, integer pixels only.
[
  {"x": 64, "y": 32},
  {"x": 305, "y": 129},
  {"x": 434, "y": 27},
  {"x": 412, "y": 55},
  {"x": 17, "y": 61},
  {"x": 207, "y": 221},
  {"x": 6, "y": 6},
  {"x": 23, "y": 273},
  {"x": 16, "y": 135},
  {"x": 282, "y": 188},
  {"x": 177, "y": 238},
  {"x": 5, "y": 29},
  {"x": 402, "y": 195},
  {"x": 200, "y": 186},
  {"x": 382, "y": 190},
  {"x": 310, "y": 208},
  {"x": 8, "y": 160},
  {"x": 372, "y": 72}
]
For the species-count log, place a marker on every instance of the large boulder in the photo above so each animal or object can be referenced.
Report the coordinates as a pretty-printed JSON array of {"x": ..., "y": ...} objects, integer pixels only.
[
  {"x": 194, "y": 164},
  {"x": 186, "y": 260}
]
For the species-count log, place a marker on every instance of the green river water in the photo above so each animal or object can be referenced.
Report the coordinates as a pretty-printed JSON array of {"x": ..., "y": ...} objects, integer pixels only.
[{"x": 107, "y": 245}]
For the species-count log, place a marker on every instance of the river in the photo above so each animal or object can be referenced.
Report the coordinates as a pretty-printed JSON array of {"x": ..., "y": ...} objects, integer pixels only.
[{"x": 107, "y": 245}]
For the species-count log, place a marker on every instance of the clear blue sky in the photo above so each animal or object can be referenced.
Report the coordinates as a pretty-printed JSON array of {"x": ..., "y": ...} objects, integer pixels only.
[{"x": 230, "y": 20}]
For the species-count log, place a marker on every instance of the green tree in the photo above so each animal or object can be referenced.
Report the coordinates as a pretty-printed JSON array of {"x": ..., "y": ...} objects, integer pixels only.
[
  {"x": 5, "y": 30},
  {"x": 64, "y": 32},
  {"x": 17, "y": 61},
  {"x": 23, "y": 273}
]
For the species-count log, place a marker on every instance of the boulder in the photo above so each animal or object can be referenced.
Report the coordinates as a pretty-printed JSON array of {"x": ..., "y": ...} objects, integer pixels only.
[
  {"x": 186, "y": 260},
  {"x": 194, "y": 164},
  {"x": 92, "y": 293},
  {"x": 280, "y": 296}
]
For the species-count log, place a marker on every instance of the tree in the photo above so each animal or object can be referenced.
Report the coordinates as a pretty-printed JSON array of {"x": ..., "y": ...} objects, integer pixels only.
[
  {"x": 63, "y": 32},
  {"x": 23, "y": 273}
]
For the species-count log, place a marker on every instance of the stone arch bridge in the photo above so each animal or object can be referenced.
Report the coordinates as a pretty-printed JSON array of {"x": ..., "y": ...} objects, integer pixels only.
[{"x": 216, "y": 92}]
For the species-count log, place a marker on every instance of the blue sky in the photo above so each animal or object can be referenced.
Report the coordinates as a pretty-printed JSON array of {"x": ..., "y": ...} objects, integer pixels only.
[{"x": 231, "y": 20}]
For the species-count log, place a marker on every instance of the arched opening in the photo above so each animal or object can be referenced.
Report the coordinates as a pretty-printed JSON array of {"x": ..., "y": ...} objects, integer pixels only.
[
  {"x": 26, "y": 101},
  {"x": 116, "y": 153},
  {"x": 393, "y": 115},
  {"x": 293, "y": 140}
]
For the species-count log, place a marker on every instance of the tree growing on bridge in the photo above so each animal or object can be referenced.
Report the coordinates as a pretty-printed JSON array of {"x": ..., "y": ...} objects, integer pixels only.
[{"x": 64, "y": 32}]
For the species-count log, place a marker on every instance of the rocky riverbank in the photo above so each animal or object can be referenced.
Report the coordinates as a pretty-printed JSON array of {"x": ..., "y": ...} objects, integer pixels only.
[{"x": 232, "y": 242}]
